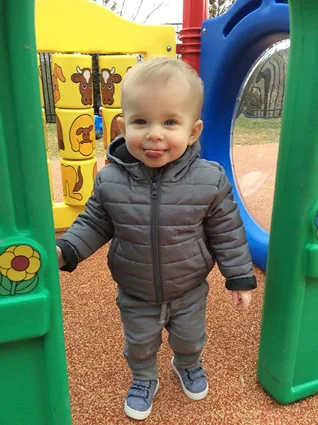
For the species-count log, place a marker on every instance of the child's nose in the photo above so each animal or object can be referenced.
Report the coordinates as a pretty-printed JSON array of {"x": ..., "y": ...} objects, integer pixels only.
[{"x": 154, "y": 133}]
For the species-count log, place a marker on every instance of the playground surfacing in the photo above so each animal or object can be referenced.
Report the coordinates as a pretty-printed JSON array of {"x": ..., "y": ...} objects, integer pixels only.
[{"x": 98, "y": 375}]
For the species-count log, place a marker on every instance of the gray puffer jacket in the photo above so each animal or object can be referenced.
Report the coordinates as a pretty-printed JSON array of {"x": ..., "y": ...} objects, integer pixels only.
[{"x": 168, "y": 226}]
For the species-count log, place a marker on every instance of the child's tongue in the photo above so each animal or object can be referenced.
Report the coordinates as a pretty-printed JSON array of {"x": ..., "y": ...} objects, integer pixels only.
[{"x": 154, "y": 153}]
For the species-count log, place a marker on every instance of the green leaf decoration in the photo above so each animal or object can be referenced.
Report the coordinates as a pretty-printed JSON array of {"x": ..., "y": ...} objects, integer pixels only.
[
  {"x": 4, "y": 291},
  {"x": 27, "y": 285},
  {"x": 5, "y": 286}
]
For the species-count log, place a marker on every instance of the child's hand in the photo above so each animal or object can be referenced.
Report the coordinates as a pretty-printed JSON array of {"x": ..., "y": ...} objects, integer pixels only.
[
  {"x": 60, "y": 257},
  {"x": 242, "y": 299}
]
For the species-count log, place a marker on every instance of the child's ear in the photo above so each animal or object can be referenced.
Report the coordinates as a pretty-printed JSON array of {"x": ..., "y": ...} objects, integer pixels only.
[
  {"x": 195, "y": 132},
  {"x": 121, "y": 125}
]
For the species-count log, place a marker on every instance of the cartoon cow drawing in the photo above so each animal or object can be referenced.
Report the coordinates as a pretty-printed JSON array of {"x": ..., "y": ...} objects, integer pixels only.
[
  {"x": 107, "y": 80},
  {"x": 114, "y": 129},
  {"x": 109, "y": 136},
  {"x": 57, "y": 75},
  {"x": 84, "y": 78}
]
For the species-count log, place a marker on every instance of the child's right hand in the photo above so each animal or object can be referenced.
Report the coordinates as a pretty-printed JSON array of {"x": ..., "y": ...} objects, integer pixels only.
[
  {"x": 60, "y": 257},
  {"x": 242, "y": 299}
]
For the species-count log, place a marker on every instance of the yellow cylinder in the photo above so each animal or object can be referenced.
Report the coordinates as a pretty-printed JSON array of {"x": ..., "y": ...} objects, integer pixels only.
[
  {"x": 44, "y": 129},
  {"x": 110, "y": 127},
  {"x": 77, "y": 180},
  {"x": 40, "y": 79},
  {"x": 72, "y": 81},
  {"x": 112, "y": 69},
  {"x": 75, "y": 133}
]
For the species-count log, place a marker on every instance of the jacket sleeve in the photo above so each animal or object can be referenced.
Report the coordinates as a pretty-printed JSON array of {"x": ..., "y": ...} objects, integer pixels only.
[
  {"x": 227, "y": 240},
  {"x": 91, "y": 230}
]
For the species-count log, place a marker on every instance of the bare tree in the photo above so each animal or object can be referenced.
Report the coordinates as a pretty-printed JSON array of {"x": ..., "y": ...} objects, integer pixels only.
[
  {"x": 217, "y": 7},
  {"x": 110, "y": 4},
  {"x": 123, "y": 8},
  {"x": 136, "y": 13}
]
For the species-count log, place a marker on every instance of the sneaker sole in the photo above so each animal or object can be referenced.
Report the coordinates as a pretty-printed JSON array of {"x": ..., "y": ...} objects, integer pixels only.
[
  {"x": 189, "y": 394},
  {"x": 135, "y": 414}
]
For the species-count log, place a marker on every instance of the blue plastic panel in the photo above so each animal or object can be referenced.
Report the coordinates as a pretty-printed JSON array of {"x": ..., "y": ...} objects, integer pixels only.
[{"x": 231, "y": 43}]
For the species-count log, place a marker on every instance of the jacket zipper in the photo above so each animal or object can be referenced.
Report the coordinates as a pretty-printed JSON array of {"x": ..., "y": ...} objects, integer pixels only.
[{"x": 155, "y": 201}]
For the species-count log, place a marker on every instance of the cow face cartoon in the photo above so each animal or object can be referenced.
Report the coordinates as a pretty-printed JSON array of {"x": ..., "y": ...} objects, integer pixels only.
[
  {"x": 107, "y": 80},
  {"x": 84, "y": 78}
]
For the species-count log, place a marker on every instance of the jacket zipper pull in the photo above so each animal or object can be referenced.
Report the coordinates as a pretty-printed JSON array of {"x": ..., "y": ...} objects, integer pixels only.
[{"x": 154, "y": 193}]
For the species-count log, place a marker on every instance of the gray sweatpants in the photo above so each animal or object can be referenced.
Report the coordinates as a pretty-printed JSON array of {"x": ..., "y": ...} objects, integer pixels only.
[{"x": 143, "y": 322}]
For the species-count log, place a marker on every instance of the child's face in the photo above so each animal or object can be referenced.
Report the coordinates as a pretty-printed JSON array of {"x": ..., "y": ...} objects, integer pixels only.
[{"x": 159, "y": 122}]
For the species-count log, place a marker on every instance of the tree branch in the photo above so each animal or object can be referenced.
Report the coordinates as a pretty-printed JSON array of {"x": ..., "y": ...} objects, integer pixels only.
[
  {"x": 137, "y": 10},
  {"x": 163, "y": 3},
  {"x": 122, "y": 8}
]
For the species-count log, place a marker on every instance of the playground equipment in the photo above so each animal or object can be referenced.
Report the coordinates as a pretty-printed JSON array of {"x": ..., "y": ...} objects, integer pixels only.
[
  {"x": 288, "y": 366},
  {"x": 34, "y": 388},
  {"x": 32, "y": 355},
  {"x": 231, "y": 44},
  {"x": 73, "y": 71}
]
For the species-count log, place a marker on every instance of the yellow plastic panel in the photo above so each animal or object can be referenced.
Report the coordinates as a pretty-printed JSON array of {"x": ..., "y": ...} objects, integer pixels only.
[
  {"x": 64, "y": 215},
  {"x": 77, "y": 179},
  {"x": 75, "y": 133},
  {"x": 112, "y": 69},
  {"x": 84, "y": 26},
  {"x": 72, "y": 81},
  {"x": 110, "y": 127}
]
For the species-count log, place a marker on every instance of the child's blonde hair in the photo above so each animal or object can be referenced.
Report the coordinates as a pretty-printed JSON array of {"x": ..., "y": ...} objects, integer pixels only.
[{"x": 162, "y": 69}]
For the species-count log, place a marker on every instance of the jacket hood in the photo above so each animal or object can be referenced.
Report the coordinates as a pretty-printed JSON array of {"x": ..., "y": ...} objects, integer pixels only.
[{"x": 117, "y": 153}]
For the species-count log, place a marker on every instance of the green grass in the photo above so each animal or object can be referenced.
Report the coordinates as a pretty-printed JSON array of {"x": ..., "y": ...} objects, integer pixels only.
[
  {"x": 247, "y": 131},
  {"x": 53, "y": 150},
  {"x": 252, "y": 131}
]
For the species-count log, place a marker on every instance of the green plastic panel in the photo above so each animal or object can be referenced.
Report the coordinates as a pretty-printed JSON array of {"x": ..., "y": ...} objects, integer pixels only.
[
  {"x": 288, "y": 356},
  {"x": 33, "y": 373}
]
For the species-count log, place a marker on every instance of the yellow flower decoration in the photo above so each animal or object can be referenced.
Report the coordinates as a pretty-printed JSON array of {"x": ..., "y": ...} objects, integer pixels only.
[{"x": 19, "y": 263}]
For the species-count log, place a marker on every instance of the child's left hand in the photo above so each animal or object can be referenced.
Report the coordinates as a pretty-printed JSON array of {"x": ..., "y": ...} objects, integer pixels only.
[{"x": 242, "y": 299}]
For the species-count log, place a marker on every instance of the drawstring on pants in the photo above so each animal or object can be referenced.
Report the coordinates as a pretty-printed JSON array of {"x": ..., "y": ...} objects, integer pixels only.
[{"x": 163, "y": 313}]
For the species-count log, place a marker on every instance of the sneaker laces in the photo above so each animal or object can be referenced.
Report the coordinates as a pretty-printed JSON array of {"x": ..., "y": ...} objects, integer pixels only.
[{"x": 139, "y": 389}]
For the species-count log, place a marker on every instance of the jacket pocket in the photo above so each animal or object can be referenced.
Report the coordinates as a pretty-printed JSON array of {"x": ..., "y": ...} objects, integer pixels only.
[
  {"x": 111, "y": 253},
  {"x": 209, "y": 261}
]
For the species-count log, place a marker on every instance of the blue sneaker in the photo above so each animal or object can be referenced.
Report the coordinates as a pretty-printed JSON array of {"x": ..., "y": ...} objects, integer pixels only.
[
  {"x": 139, "y": 399},
  {"x": 193, "y": 381}
]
